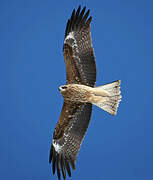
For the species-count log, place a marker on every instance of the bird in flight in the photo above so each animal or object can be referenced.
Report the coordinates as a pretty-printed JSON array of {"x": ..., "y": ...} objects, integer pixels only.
[{"x": 79, "y": 94}]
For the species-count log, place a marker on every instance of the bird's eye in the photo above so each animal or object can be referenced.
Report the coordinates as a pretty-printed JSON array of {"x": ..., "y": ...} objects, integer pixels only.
[{"x": 64, "y": 87}]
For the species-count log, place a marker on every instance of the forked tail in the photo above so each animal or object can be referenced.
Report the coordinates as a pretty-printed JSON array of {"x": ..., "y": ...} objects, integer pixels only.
[{"x": 110, "y": 97}]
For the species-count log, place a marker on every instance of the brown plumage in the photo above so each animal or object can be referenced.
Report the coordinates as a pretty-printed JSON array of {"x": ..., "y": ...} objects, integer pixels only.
[{"x": 79, "y": 94}]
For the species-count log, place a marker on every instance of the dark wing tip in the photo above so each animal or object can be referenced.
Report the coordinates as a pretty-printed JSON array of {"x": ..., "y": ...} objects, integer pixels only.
[
  {"x": 68, "y": 168},
  {"x": 63, "y": 167},
  {"x": 79, "y": 8},
  {"x": 72, "y": 164},
  {"x": 51, "y": 154},
  {"x": 59, "y": 163},
  {"x": 58, "y": 166},
  {"x": 78, "y": 20},
  {"x": 89, "y": 21}
]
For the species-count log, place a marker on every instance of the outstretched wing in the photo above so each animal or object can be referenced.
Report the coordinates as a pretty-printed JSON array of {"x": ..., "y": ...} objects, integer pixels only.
[
  {"x": 68, "y": 135},
  {"x": 78, "y": 51}
]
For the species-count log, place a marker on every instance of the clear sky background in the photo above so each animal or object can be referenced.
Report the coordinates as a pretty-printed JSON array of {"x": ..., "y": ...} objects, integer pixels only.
[{"x": 32, "y": 67}]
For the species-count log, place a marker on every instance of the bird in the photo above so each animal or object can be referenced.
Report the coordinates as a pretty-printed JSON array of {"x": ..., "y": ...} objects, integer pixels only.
[{"x": 79, "y": 94}]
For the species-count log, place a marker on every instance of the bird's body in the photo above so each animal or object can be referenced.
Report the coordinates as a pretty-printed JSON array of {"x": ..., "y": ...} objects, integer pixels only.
[
  {"x": 79, "y": 93},
  {"x": 76, "y": 93},
  {"x": 83, "y": 94}
]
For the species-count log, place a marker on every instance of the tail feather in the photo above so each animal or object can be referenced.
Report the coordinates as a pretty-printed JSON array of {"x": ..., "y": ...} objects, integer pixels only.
[{"x": 113, "y": 97}]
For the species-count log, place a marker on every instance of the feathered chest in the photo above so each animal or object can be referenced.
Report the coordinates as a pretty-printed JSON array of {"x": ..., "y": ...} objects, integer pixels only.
[{"x": 76, "y": 93}]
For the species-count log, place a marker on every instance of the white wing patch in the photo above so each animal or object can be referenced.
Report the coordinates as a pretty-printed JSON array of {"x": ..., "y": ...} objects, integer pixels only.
[
  {"x": 71, "y": 39},
  {"x": 57, "y": 146},
  {"x": 69, "y": 36}
]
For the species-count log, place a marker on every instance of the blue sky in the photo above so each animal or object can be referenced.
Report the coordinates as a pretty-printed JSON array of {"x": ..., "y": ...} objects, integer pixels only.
[{"x": 32, "y": 67}]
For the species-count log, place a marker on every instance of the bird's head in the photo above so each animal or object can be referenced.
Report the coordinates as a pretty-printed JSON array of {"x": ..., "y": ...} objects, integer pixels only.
[{"x": 63, "y": 89}]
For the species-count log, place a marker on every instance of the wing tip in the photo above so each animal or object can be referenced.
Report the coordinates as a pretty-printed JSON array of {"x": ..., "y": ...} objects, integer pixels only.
[
  {"x": 72, "y": 164},
  {"x": 78, "y": 19},
  {"x": 60, "y": 163},
  {"x": 51, "y": 154}
]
